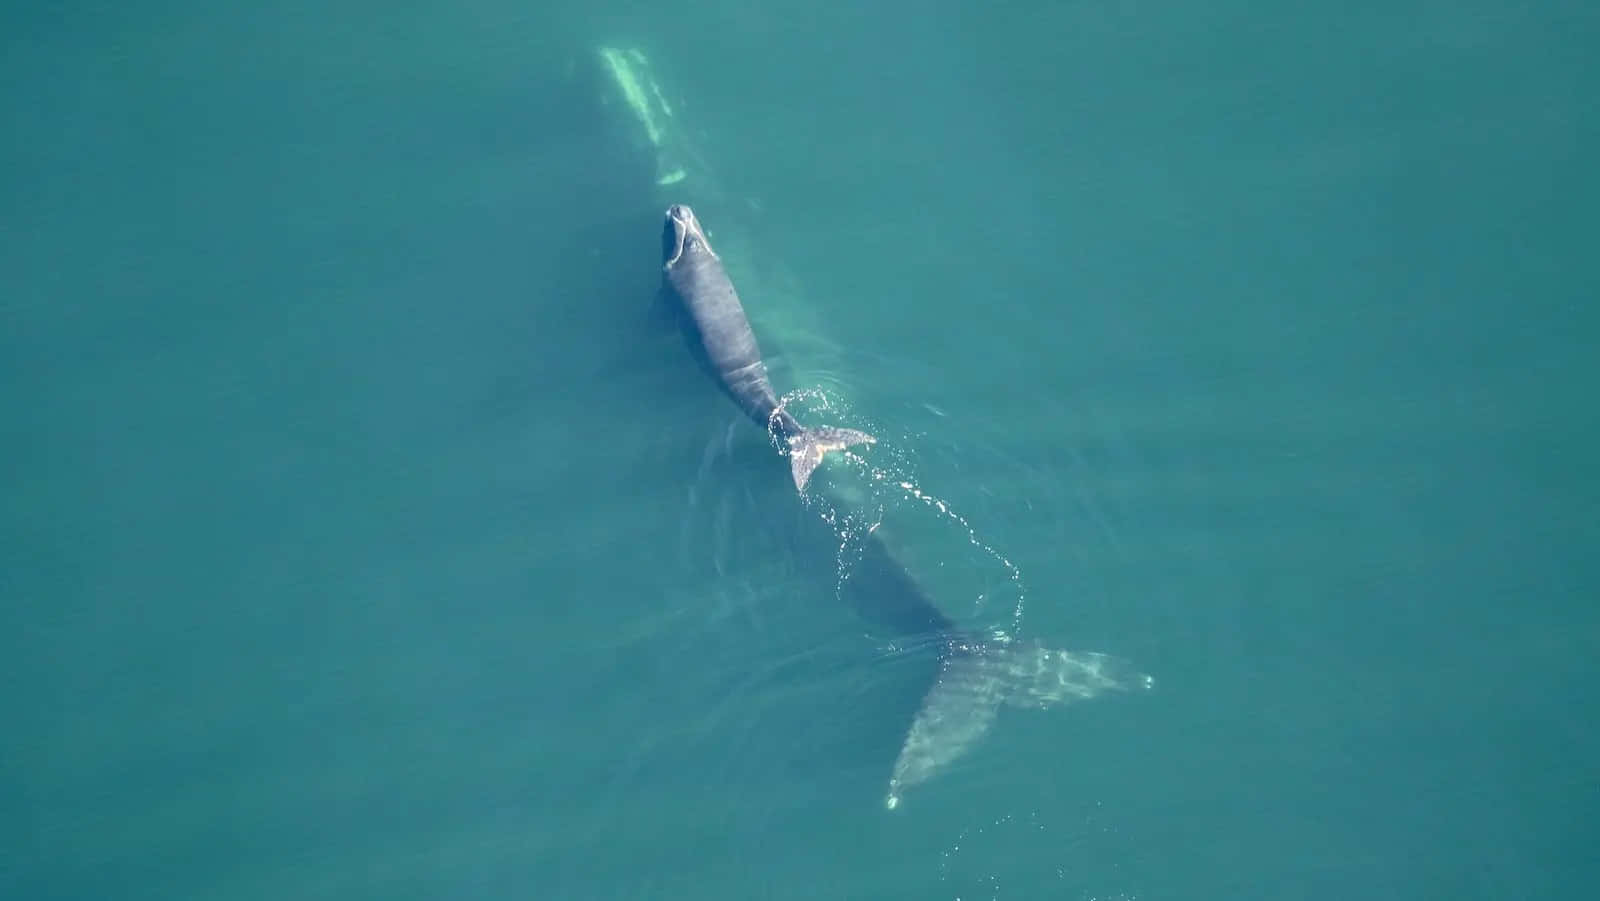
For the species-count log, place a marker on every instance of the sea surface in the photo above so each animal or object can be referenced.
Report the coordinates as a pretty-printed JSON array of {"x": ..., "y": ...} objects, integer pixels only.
[{"x": 365, "y": 535}]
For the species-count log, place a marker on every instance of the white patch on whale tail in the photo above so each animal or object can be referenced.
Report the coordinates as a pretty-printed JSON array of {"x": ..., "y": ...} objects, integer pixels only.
[
  {"x": 976, "y": 678},
  {"x": 808, "y": 447}
]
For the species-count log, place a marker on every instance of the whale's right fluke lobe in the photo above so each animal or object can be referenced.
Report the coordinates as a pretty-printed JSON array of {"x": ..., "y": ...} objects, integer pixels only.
[
  {"x": 807, "y": 446},
  {"x": 976, "y": 678}
]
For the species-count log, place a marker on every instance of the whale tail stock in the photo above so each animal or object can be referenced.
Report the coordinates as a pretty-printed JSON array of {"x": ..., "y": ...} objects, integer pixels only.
[{"x": 807, "y": 446}]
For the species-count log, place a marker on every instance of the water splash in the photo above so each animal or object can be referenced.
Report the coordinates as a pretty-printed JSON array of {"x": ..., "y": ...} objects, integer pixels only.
[
  {"x": 947, "y": 855},
  {"x": 1013, "y": 573},
  {"x": 884, "y": 482},
  {"x": 980, "y": 848}
]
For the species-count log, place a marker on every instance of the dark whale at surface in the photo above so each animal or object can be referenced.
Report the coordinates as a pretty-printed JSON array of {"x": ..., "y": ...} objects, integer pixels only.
[{"x": 726, "y": 345}]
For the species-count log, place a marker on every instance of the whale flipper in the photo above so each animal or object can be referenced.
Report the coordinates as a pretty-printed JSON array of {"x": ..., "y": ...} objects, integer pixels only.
[
  {"x": 976, "y": 678},
  {"x": 807, "y": 446}
]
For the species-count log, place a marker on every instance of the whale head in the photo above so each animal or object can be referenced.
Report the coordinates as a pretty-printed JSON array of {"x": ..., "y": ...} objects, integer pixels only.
[{"x": 682, "y": 238}]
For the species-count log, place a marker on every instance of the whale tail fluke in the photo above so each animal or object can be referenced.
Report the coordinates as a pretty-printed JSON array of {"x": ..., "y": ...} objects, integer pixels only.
[
  {"x": 977, "y": 678},
  {"x": 807, "y": 446}
]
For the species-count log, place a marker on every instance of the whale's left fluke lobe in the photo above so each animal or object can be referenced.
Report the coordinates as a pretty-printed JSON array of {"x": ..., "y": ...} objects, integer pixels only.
[{"x": 807, "y": 447}]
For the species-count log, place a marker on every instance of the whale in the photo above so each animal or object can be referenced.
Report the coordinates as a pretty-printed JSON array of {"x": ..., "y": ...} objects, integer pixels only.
[
  {"x": 979, "y": 672},
  {"x": 726, "y": 346}
]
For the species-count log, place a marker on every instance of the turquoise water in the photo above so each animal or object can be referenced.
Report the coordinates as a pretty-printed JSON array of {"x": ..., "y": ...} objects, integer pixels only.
[{"x": 367, "y": 538}]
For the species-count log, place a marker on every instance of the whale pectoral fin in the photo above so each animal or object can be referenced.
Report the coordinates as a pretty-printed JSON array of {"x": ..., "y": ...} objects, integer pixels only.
[{"x": 808, "y": 447}]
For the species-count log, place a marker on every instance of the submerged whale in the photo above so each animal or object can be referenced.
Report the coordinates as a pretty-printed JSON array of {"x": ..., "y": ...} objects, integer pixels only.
[{"x": 978, "y": 673}]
